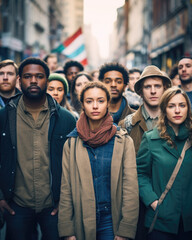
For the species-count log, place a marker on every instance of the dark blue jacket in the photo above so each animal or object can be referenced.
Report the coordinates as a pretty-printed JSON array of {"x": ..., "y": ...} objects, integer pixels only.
[{"x": 61, "y": 124}]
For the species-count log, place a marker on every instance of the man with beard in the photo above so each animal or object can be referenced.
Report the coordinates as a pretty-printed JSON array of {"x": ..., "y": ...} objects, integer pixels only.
[
  {"x": 151, "y": 86},
  {"x": 185, "y": 75},
  {"x": 115, "y": 77},
  {"x": 8, "y": 80},
  {"x": 33, "y": 129}
]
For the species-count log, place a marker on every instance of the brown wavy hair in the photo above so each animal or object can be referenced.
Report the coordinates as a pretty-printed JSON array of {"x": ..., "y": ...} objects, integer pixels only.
[{"x": 163, "y": 121}]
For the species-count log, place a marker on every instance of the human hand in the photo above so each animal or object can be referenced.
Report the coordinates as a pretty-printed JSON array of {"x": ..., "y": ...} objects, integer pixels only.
[
  {"x": 154, "y": 204},
  {"x": 54, "y": 212},
  {"x": 4, "y": 205},
  {"x": 70, "y": 238}
]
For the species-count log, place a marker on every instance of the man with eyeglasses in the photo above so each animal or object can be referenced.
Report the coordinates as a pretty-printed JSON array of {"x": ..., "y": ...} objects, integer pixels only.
[{"x": 33, "y": 129}]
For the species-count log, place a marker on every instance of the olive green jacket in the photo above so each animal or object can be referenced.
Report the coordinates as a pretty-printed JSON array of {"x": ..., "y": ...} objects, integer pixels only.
[{"x": 77, "y": 211}]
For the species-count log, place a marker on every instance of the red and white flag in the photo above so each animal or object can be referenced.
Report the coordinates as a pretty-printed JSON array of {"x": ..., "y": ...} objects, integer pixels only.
[{"x": 74, "y": 48}]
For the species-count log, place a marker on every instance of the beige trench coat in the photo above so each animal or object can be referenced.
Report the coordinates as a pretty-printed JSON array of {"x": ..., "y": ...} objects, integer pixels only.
[{"x": 77, "y": 212}]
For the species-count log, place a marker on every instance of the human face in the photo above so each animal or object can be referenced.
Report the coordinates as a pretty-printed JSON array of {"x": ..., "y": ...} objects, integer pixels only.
[
  {"x": 133, "y": 78},
  {"x": 95, "y": 106},
  {"x": 114, "y": 82},
  {"x": 52, "y": 63},
  {"x": 71, "y": 73},
  {"x": 176, "y": 110},
  {"x": 176, "y": 81},
  {"x": 185, "y": 70},
  {"x": 80, "y": 83},
  {"x": 33, "y": 81},
  {"x": 152, "y": 91},
  {"x": 8, "y": 79},
  {"x": 56, "y": 90}
]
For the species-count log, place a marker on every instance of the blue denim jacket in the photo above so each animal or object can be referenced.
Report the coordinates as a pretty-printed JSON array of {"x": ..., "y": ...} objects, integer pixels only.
[{"x": 100, "y": 160}]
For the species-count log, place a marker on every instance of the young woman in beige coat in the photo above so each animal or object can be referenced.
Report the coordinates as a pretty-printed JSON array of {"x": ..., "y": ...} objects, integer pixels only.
[{"x": 99, "y": 188}]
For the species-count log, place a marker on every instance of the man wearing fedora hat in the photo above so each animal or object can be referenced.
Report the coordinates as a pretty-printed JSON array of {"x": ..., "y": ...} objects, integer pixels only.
[{"x": 151, "y": 85}]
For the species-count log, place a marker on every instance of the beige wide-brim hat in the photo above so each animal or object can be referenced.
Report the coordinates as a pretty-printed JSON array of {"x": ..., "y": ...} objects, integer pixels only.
[{"x": 151, "y": 71}]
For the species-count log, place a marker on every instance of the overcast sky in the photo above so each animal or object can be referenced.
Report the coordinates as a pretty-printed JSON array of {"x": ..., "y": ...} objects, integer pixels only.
[{"x": 101, "y": 14}]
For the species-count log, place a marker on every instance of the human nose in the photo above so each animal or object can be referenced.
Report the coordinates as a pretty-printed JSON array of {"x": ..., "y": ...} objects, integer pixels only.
[
  {"x": 5, "y": 76},
  {"x": 55, "y": 92},
  {"x": 95, "y": 105},
  {"x": 177, "y": 109},
  {"x": 153, "y": 89},
  {"x": 113, "y": 84},
  {"x": 33, "y": 79}
]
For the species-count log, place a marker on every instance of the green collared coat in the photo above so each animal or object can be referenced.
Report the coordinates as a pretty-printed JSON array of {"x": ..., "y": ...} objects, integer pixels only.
[{"x": 156, "y": 161}]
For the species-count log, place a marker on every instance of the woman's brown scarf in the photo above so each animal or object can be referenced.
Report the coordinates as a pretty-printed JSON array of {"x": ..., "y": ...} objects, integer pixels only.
[{"x": 99, "y": 136}]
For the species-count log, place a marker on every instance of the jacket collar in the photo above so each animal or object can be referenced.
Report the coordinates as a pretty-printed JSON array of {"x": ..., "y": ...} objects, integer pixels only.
[
  {"x": 138, "y": 118},
  {"x": 53, "y": 105},
  {"x": 170, "y": 149}
]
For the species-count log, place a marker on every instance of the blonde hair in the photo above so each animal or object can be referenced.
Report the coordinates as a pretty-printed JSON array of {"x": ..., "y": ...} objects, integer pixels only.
[{"x": 163, "y": 121}]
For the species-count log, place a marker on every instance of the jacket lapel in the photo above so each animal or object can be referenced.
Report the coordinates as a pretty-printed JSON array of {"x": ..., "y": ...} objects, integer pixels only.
[
  {"x": 171, "y": 150},
  {"x": 85, "y": 174},
  {"x": 116, "y": 163},
  {"x": 138, "y": 117}
]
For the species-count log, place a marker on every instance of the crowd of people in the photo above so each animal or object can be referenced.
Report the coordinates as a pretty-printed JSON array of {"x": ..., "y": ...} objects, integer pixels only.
[{"x": 101, "y": 155}]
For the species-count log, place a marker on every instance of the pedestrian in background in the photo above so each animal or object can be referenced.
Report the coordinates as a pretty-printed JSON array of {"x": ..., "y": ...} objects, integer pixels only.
[
  {"x": 80, "y": 80},
  {"x": 132, "y": 97},
  {"x": 8, "y": 81},
  {"x": 115, "y": 77},
  {"x": 158, "y": 154},
  {"x": 99, "y": 191}
]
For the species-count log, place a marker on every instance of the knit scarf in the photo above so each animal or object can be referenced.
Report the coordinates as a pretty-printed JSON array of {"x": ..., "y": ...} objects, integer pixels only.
[{"x": 99, "y": 136}]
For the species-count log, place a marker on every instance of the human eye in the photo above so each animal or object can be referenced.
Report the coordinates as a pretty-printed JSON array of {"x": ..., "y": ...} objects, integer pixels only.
[
  {"x": 101, "y": 101},
  {"x": 27, "y": 76},
  {"x": 1, "y": 73},
  {"x": 119, "y": 81},
  {"x": 170, "y": 106},
  {"x": 146, "y": 87},
  {"x": 50, "y": 89},
  {"x": 88, "y": 101},
  {"x": 158, "y": 86},
  {"x": 183, "y": 105},
  {"x": 60, "y": 89},
  {"x": 10, "y": 73},
  {"x": 107, "y": 81},
  {"x": 39, "y": 76}
]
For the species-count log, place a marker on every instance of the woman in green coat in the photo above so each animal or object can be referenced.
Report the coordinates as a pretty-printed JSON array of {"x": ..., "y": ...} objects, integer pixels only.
[{"x": 158, "y": 154}]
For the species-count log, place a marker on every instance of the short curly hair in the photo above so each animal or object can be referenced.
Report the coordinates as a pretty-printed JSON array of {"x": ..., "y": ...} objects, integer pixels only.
[
  {"x": 72, "y": 64},
  {"x": 32, "y": 60},
  {"x": 114, "y": 67}
]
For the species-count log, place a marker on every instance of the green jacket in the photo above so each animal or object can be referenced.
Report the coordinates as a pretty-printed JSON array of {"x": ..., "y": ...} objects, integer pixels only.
[
  {"x": 156, "y": 161},
  {"x": 77, "y": 212}
]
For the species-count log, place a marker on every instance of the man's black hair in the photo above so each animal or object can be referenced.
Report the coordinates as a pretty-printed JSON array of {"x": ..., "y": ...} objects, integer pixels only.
[
  {"x": 32, "y": 60},
  {"x": 72, "y": 64},
  {"x": 133, "y": 70},
  {"x": 114, "y": 67},
  {"x": 185, "y": 56}
]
